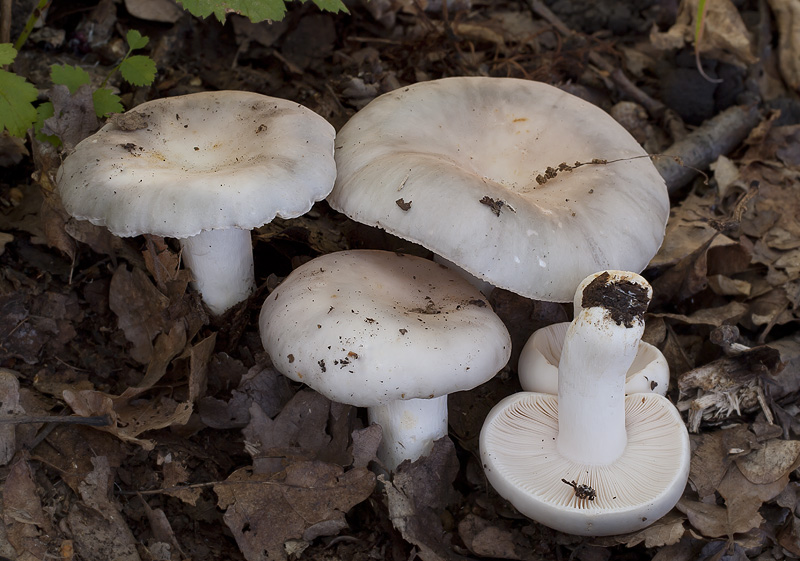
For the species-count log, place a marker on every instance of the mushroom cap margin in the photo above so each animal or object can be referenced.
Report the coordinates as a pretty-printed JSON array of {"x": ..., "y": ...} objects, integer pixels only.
[
  {"x": 482, "y": 142},
  {"x": 204, "y": 161},
  {"x": 367, "y": 327},
  {"x": 538, "y": 364}
]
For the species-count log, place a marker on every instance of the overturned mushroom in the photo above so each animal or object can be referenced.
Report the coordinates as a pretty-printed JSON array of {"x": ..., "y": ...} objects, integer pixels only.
[{"x": 625, "y": 459}]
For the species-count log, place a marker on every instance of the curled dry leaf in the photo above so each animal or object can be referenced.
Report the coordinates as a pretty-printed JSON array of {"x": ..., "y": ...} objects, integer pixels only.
[
  {"x": 787, "y": 14},
  {"x": 27, "y": 525},
  {"x": 9, "y": 405},
  {"x": 416, "y": 495},
  {"x": 129, "y": 421},
  {"x": 496, "y": 539},
  {"x": 725, "y": 36},
  {"x": 307, "y": 500},
  {"x": 139, "y": 306}
]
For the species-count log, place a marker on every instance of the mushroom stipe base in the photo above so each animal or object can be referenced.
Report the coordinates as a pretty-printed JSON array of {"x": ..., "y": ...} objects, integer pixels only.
[{"x": 630, "y": 494}]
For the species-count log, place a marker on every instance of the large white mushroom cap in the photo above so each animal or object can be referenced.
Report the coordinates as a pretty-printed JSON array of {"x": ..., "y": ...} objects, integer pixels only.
[
  {"x": 452, "y": 164},
  {"x": 369, "y": 327},
  {"x": 204, "y": 161}
]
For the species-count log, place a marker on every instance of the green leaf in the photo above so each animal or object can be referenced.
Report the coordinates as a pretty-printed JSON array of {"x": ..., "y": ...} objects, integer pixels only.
[
  {"x": 138, "y": 70},
  {"x": 136, "y": 40},
  {"x": 7, "y": 54},
  {"x": 71, "y": 76},
  {"x": 44, "y": 112},
  {"x": 17, "y": 113},
  {"x": 254, "y": 10},
  {"x": 105, "y": 102},
  {"x": 334, "y": 6}
]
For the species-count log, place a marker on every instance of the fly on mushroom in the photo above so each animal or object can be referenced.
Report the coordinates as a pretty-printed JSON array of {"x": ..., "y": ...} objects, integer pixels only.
[{"x": 582, "y": 491}]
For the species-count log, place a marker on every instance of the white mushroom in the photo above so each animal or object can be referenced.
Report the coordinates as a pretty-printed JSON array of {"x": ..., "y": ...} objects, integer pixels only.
[
  {"x": 205, "y": 168},
  {"x": 393, "y": 333},
  {"x": 484, "y": 172},
  {"x": 591, "y": 461},
  {"x": 540, "y": 357}
]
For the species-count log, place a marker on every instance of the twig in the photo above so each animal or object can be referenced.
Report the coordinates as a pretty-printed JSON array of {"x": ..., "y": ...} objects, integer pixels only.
[
  {"x": 5, "y": 21},
  {"x": 718, "y": 135},
  {"x": 99, "y": 421},
  {"x": 654, "y": 107}
]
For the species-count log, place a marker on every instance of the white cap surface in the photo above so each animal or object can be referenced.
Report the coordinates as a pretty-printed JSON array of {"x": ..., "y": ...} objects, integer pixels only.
[
  {"x": 369, "y": 327},
  {"x": 204, "y": 161},
  {"x": 452, "y": 164},
  {"x": 522, "y": 462}
]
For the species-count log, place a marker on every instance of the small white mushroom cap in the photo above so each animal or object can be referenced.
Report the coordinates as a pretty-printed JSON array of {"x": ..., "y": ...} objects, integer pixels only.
[
  {"x": 369, "y": 327},
  {"x": 538, "y": 364},
  {"x": 204, "y": 161},
  {"x": 522, "y": 462},
  {"x": 460, "y": 166}
]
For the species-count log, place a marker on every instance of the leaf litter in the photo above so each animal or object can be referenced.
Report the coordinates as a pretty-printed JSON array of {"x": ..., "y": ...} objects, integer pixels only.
[{"x": 202, "y": 432}]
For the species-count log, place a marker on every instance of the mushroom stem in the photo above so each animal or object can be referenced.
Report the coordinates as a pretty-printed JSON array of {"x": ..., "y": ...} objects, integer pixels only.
[
  {"x": 409, "y": 428},
  {"x": 597, "y": 354},
  {"x": 222, "y": 265}
]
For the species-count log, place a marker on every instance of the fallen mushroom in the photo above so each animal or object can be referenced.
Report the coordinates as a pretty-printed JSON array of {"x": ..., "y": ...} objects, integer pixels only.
[
  {"x": 517, "y": 182},
  {"x": 540, "y": 357},
  {"x": 390, "y": 332},
  {"x": 204, "y": 168},
  {"x": 591, "y": 461}
]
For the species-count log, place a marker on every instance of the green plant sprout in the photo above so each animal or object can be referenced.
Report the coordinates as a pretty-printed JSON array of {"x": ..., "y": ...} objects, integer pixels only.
[
  {"x": 17, "y": 112},
  {"x": 700, "y": 20},
  {"x": 254, "y": 10},
  {"x": 17, "y": 95}
]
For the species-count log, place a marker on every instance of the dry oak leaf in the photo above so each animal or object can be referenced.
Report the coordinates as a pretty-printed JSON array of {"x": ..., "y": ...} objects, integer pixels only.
[{"x": 308, "y": 499}]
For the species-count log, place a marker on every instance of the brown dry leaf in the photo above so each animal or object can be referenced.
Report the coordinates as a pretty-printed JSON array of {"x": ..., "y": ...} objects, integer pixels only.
[
  {"x": 74, "y": 118},
  {"x": 298, "y": 432},
  {"x": 495, "y": 539},
  {"x": 309, "y": 500},
  {"x": 99, "y": 529},
  {"x": 161, "y": 261},
  {"x": 161, "y": 529},
  {"x": 262, "y": 385},
  {"x": 688, "y": 230},
  {"x": 417, "y": 494},
  {"x": 711, "y": 520},
  {"x": 199, "y": 357},
  {"x": 668, "y": 530},
  {"x": 139, "y": 306},
  {"x": 54, "y": 221},
  {"x": 128, "y": 419},
  {"x": 165, "y": 11},
  {"x": 365, "y": 444},
  {"x": 709, "y": 463},
  {"x": 774, "y": 461},
  {"x": 789, "y": 536},
  {"x": 9, "y": 405},
  {"x": 176, "y": 474},
  {"x": 787, "y": 14},
  {"x": 743, "y": 499},
  {"x": 725, "y": 36},
  {"x": 27, "y": 525},
  {"x": 729, "y": 314},
  {"x": 77, "y": 445}
]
